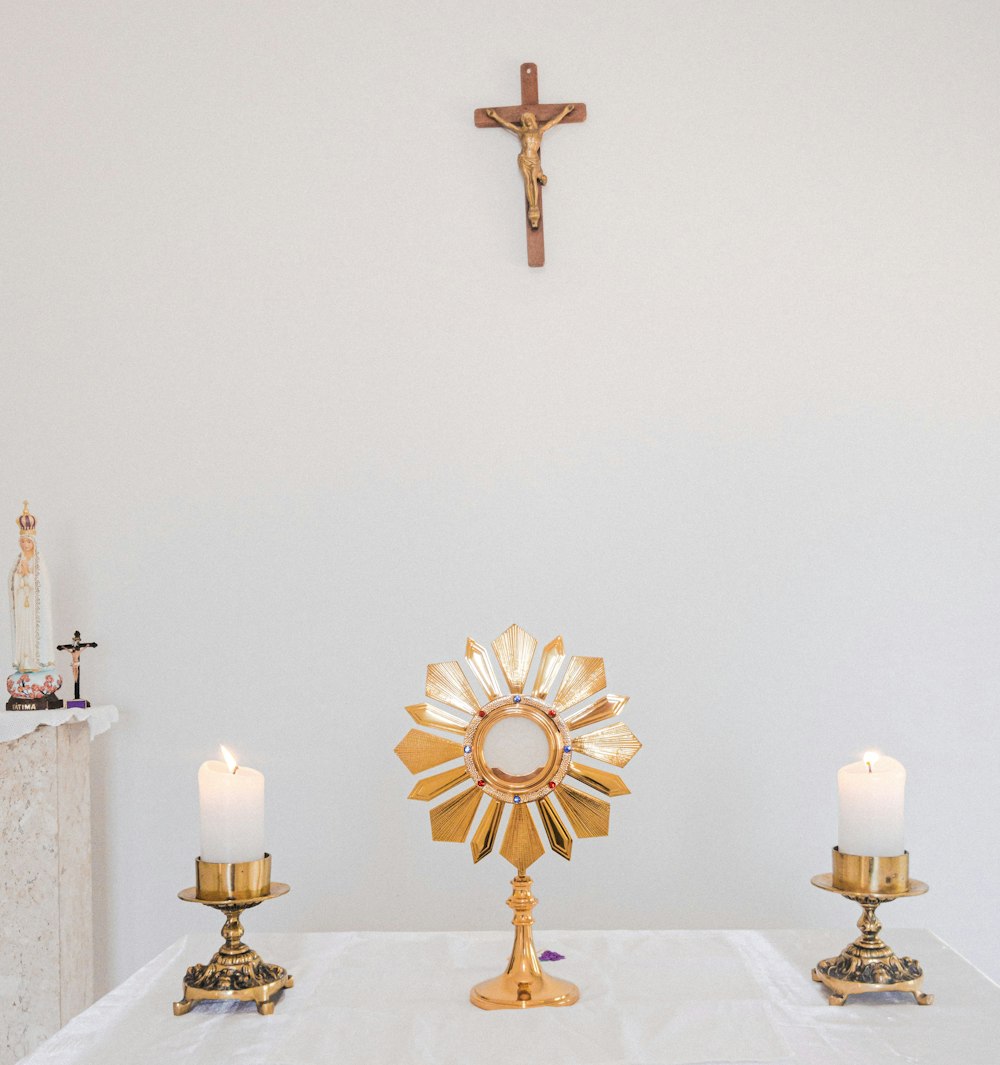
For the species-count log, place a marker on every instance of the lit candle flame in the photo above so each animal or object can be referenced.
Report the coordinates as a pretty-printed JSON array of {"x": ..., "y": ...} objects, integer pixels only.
[
  {"x": 870, "y": 758},
  {"x": 230, "y": 760}
]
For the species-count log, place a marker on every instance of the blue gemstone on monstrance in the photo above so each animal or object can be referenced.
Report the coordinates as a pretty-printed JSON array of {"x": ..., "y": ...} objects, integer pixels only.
[
  {"x": 517, "y": 798},
  {"x": 517, "y": 698},
  {"x": 567, "y": 750},
  {"x": 468, "y": 749}
]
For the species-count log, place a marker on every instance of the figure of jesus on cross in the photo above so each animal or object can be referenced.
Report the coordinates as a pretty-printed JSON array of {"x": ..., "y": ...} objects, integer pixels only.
[
  {"x": 74, "y": 649},
  {"x": 529, "y": 162},
  {"x": 528, "y": 123}
]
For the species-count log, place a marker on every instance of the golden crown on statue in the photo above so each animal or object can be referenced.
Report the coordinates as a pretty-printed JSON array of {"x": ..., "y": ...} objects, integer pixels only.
[{"x": 26, "y": 522}]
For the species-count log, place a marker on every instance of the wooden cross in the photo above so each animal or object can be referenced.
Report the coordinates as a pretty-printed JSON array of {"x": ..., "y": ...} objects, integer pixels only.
[
  {"x": 529, "y": 162},
  {"x": 74, "y": 649}
]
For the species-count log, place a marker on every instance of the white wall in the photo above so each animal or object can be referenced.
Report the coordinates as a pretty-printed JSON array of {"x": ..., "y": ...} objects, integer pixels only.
[{"x": 296, "y": 419}]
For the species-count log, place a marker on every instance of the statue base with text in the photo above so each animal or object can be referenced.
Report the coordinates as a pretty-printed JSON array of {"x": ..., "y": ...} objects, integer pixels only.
[{"x": 34, "y": 690}]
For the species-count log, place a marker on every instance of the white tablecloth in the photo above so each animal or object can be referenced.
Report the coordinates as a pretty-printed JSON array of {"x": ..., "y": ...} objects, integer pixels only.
[
  {"x": 17, "y": 723},
  {"x": 669, "y": 998}
]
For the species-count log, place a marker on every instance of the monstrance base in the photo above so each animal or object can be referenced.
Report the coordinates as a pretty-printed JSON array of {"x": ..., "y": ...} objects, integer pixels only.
[
  {"x": 507, "y": 992},
  {"x": 523, "y": 985}
]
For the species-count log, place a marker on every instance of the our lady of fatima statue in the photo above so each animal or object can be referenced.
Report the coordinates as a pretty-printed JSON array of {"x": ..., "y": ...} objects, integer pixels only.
[{"x": 35, "y": 681}]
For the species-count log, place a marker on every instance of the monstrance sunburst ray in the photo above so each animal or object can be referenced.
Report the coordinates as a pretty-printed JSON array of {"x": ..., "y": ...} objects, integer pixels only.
[
  {"x": 607, "y": 706},
  {"x": 598, "y": 779},
  {"x": 422, "y": 750},
  {"x": 516, "y": 765},
  {"x": 479, "y": 663},
  {"x": 451, "y": 821},
  {"x": 447, "y": 683},
  {"x": 432, "y": 787},
  {"x": 515, "y": 649},
  {"x": 486, "y": 833},
  {"x": 584, "y": 677},
  {"x": 559, "y": 838},
  {"x": 552, "y": 658},
  {"x": 588, "y": 815},
  {"x": 434, "y": 717},
  {"x": 522, "y": 845},
  {"x": 616, "y": 745}
]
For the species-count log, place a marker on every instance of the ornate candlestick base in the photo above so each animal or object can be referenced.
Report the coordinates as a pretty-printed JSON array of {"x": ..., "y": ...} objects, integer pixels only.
[
  {"x": 868, "y": 964},
  {"x": 523, "y": 984},
  {"x": 235, "y": 972}
]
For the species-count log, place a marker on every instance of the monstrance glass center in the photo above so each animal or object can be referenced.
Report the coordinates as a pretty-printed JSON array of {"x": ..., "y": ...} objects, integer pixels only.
[{"x": 517, "y": 750}]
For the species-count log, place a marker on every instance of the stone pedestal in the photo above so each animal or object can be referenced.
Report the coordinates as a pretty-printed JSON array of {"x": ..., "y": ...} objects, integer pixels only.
[{"x": 46, "y": 918}]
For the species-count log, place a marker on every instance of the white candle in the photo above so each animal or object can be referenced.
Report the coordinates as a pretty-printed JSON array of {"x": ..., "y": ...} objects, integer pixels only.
[
  {"x": 871, "y": 806},
  {"x": 231, "y": 799}
]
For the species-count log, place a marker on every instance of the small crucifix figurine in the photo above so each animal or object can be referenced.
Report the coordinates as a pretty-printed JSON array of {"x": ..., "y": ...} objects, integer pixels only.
[
  {"x": 74, "y": 649},
  {"x": 528, "y": 123}
]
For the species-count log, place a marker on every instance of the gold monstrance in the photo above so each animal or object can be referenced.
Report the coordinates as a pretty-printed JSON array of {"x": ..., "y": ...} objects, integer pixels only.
[{"x": 517, "y": 750}]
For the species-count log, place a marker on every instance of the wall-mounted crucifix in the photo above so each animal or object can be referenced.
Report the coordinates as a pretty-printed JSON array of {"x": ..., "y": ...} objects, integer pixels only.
[{"x": 528, "y": 122}]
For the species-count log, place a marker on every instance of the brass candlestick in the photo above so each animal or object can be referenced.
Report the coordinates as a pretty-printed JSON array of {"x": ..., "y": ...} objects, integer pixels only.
[
  {"x": 235, "y": 972},
  {"x": 868, "y": 964},
  {"x": 523, "y": 984}
]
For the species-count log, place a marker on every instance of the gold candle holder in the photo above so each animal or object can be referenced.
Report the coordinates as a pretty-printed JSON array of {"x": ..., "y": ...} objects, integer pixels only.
[
  {"x": 868, "y": 964},
  {"x": 235, "y": 972}
]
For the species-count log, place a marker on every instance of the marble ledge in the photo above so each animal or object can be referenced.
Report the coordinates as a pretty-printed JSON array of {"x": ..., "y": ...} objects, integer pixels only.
[{"x": 17, "y": 723}]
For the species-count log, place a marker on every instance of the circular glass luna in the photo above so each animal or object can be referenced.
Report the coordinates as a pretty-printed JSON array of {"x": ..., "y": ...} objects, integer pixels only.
[{"x": 517, "y": 749}]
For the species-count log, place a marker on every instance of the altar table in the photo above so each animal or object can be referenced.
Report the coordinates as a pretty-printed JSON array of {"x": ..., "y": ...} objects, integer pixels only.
[{"x": 647, "y": 998}]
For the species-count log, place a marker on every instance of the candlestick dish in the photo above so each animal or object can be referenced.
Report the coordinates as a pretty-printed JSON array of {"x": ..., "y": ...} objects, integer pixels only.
[
  {"x": 868, "y": 964},
  {"x": 235, "y": 972}
]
